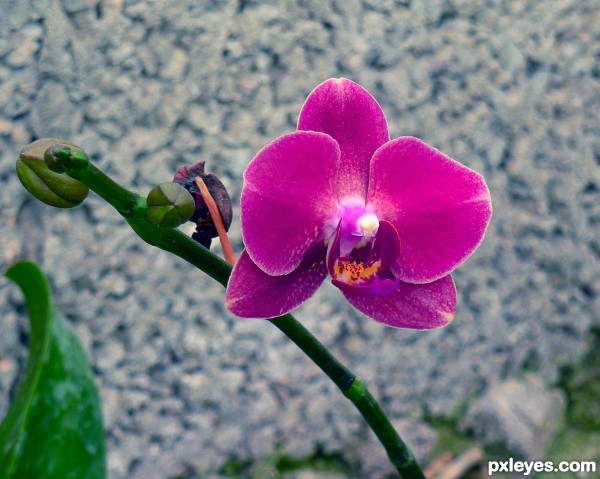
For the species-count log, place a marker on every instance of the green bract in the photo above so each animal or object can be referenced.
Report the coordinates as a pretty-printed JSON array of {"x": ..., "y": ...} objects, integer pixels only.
[{"x": 51, "y": 187}]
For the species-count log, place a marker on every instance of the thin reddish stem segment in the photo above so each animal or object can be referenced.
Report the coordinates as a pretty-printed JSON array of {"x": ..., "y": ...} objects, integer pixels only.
[{"x": 218, "y": 221}]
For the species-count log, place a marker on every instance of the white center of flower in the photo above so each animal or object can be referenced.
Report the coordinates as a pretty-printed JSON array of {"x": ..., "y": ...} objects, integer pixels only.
[{"x": 368, "y": 224}]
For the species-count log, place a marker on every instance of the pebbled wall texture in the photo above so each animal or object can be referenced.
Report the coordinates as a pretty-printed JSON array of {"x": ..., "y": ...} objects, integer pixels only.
[{"x": 509, "y": 88}]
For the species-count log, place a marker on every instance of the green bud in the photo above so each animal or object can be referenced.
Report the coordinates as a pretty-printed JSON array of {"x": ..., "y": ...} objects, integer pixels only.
[
  {"x": 61, "y": 156},
  {"x": 170, "y": 205},
  {"x": 51, "y": 187}
]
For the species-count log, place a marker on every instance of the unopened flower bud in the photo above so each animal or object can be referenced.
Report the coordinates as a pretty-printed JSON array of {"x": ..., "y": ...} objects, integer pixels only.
[
  {"x": 205, "y": 226},
  {"x": 51, "y": 187},
  {"x": 170, "y": 205},
  {"x": 63, "y": 156}
]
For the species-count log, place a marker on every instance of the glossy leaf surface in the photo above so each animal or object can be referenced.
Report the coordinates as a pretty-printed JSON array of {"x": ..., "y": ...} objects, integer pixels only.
[{"x": 54, "y": 426}]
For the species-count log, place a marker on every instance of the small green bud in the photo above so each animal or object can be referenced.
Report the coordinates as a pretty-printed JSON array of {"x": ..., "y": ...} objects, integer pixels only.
[
  {"x": 51, "y": 187},
  {"x": 61, "y": 156},
  {"x": 170, "y": 205}
]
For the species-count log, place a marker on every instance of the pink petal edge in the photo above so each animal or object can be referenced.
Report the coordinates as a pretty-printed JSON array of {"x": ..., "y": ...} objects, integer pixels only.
[
  {"x": 412, "y": 306},
  {"x": 440, "y": 207},
  {"x": 287, "y": 198},
  {"x": 252, "y": 293},
  {"x": 352, "y": 117}
]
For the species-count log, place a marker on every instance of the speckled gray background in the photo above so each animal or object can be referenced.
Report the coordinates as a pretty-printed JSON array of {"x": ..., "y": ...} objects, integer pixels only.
[{"x": 510, "y": 88}]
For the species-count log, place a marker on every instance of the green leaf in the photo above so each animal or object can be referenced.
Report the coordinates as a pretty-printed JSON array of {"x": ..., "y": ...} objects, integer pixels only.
[{"x": 54, "y": 428}]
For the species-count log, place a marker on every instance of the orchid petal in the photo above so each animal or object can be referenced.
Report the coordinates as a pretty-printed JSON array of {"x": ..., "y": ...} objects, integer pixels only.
[
  {"x": 352, "y": 117},
  {"x": 252, "y": 293},
  {"x": 439, "y": 207},
  {"x": 287, "y": 199},
  {"x": 413, "y": 306}
]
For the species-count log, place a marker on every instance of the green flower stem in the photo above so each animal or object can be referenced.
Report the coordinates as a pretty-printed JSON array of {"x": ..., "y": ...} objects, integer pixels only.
[
  {"x": 123, "y": 200},
  {"x": 355, "y": 390},
  {"x": 133, "y": 208}
]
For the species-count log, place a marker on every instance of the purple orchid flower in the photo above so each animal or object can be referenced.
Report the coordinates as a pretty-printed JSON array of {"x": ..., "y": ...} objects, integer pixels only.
[{"x": 388, "y": 220}]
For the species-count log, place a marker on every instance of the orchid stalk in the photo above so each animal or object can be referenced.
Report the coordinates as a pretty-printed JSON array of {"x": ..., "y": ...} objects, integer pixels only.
[
  {"x": 388, "y": 220},
  {"x": 134, "y": 209}
]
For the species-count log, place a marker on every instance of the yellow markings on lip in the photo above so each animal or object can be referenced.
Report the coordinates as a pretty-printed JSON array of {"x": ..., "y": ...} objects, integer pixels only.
[{"x": 353, "y": 272}]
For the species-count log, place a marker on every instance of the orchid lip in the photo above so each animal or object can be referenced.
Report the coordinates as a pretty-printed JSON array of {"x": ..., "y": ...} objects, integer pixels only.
[
  {"x": 376, "y": 288},
  {"x": 365, "y": 269}
]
